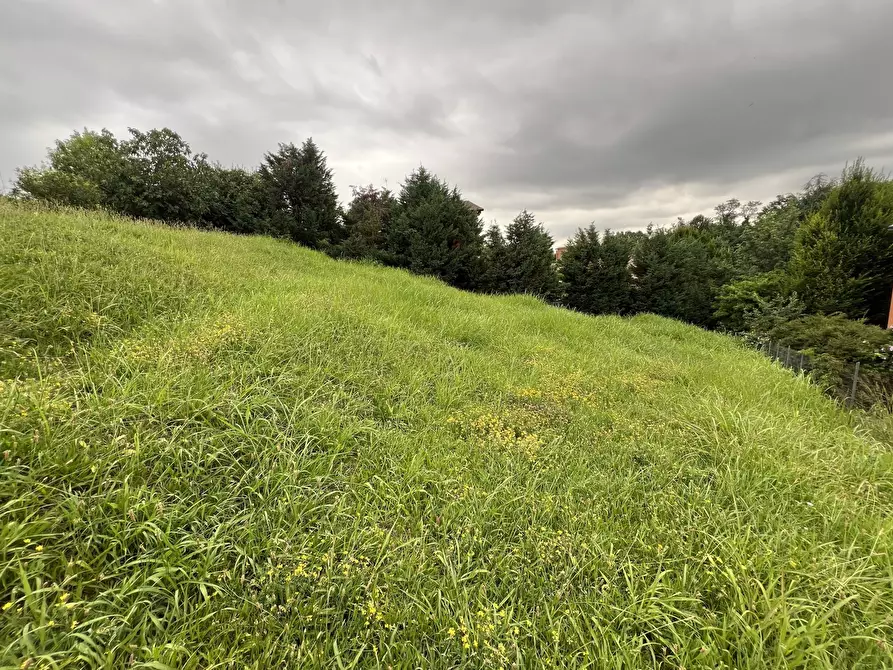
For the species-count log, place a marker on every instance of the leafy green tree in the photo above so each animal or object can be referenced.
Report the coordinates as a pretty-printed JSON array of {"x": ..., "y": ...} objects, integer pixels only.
[
  {"x": 843, "y": 258},
  {"x": 812, "y": 198},
  {"x": 529, "y": 263},
  {"x": 767, "y": 245},
  {"x": 159, "y": 178},
  {"x": 433, "y": 232},
  {"x": 736, "y": 300},
  {"x": 367, "y": 218},
  {"x": 301, "y": 195},
  {"x": 82, "y": 171},
  {"x": 731, "y": 214},
  {"x": 236, "y": 200},
  {"x": 595, "y": 272},
  {"x": 57, "y": 187}
]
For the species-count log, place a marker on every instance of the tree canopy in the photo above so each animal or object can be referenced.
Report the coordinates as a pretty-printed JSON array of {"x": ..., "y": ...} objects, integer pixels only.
[
  {"x": 825, "y": 250},
  {"x": 843, "y": 258},
  {"x": 433, "y": 232}
]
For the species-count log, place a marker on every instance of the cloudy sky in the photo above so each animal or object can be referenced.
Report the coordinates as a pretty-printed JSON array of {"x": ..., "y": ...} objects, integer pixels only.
[{"x": 618, "y": 112}]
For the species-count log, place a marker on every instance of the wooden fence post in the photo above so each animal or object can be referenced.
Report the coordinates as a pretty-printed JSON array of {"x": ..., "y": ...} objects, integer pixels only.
[{"x": 852, "y": 398}]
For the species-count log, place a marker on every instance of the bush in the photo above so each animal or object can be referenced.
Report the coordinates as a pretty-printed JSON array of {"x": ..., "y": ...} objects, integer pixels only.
[
  {"x": 739, "y": 298},
  {"x": 836, "y": 337},
  {"x": 833, "y": 345},
  {"x": 769, "y": 314}
]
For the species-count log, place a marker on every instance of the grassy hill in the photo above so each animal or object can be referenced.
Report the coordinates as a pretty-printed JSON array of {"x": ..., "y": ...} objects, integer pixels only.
[{"x": 224, "y": 452}]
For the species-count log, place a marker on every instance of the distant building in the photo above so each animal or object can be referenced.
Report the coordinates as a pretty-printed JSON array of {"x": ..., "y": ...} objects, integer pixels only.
[
  {"x": 559, "y": 252},
  {"x": 477, "y": 209}
]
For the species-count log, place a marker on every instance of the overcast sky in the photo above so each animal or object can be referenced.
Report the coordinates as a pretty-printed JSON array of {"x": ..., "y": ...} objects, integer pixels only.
[{"x": 618, "y": 112}]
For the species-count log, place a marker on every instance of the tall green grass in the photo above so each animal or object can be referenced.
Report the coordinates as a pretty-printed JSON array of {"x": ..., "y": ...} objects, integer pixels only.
[{"x": 223, "y": 452}]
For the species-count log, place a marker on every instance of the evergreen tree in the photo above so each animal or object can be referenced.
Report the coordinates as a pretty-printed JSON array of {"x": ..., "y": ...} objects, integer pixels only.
[
  {"x": 529, "y": 262},
  {"x": 595, "y": 273},
  {"x": 301, "y": 194},
  {"x": 433, "y": 232},
  {"x": 736, "y": 300},
  {"x": 367, "y": 218},
  {"x": 767, "y": 245},
  {"x": 843, "y": 260},
  {"x": 495, "y": 277},
  {"x": 679, "y": 273}
]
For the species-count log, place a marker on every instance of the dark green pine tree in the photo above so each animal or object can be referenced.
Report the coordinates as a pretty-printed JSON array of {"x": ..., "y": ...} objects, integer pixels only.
[
  {"x": 433, "y": 232},
  {"x": 595, "y": 273},
  {"x": 494, "y": 258},
  {"x": 529, "y": 264},
  {"x": 366, "y": 221},
  {"x": 843, "y": 258},
  {"x": 679, "y": 273},
  {"x": 302, "y": 197}
]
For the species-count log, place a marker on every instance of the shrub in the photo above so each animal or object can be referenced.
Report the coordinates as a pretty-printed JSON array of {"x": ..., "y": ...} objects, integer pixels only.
[
  {"x": 769, "y": 314},
  {"x": 836, "y": 337},
  {"x": 737, "y": 299}
]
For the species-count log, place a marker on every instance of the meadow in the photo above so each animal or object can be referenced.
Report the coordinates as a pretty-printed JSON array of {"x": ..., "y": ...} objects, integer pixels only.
[{"x": 233, "y": 452}]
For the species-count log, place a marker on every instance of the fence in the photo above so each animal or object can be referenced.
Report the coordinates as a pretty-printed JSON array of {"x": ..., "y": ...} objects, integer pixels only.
[{"x": 854, "y": 384}]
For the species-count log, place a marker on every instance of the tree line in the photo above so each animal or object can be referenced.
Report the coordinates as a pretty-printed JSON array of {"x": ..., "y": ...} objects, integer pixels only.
[
  {"x": 426, "y": 228},
  {"x": 825, "y": 250}
]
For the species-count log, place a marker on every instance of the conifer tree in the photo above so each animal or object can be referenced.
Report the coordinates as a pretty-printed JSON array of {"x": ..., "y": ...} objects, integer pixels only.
[
  {"x": 433, "y": 232},
  {"x": 529, "y": 262},
  {"x": 302, "y": 197},
  {"x": 843, "y": 258},
  {"x": 595, "y": 273}
]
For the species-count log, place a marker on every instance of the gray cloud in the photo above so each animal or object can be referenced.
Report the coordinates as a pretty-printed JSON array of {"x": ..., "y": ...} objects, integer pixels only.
[{"x": 616, "y": 112}]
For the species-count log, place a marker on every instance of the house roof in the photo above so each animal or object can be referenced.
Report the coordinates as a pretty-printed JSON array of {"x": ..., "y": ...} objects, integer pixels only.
[{"x": 473, "y": 207}]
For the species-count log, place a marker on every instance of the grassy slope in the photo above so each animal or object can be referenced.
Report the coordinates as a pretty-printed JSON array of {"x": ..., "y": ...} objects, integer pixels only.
[{"x": 233, "y": 452}]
